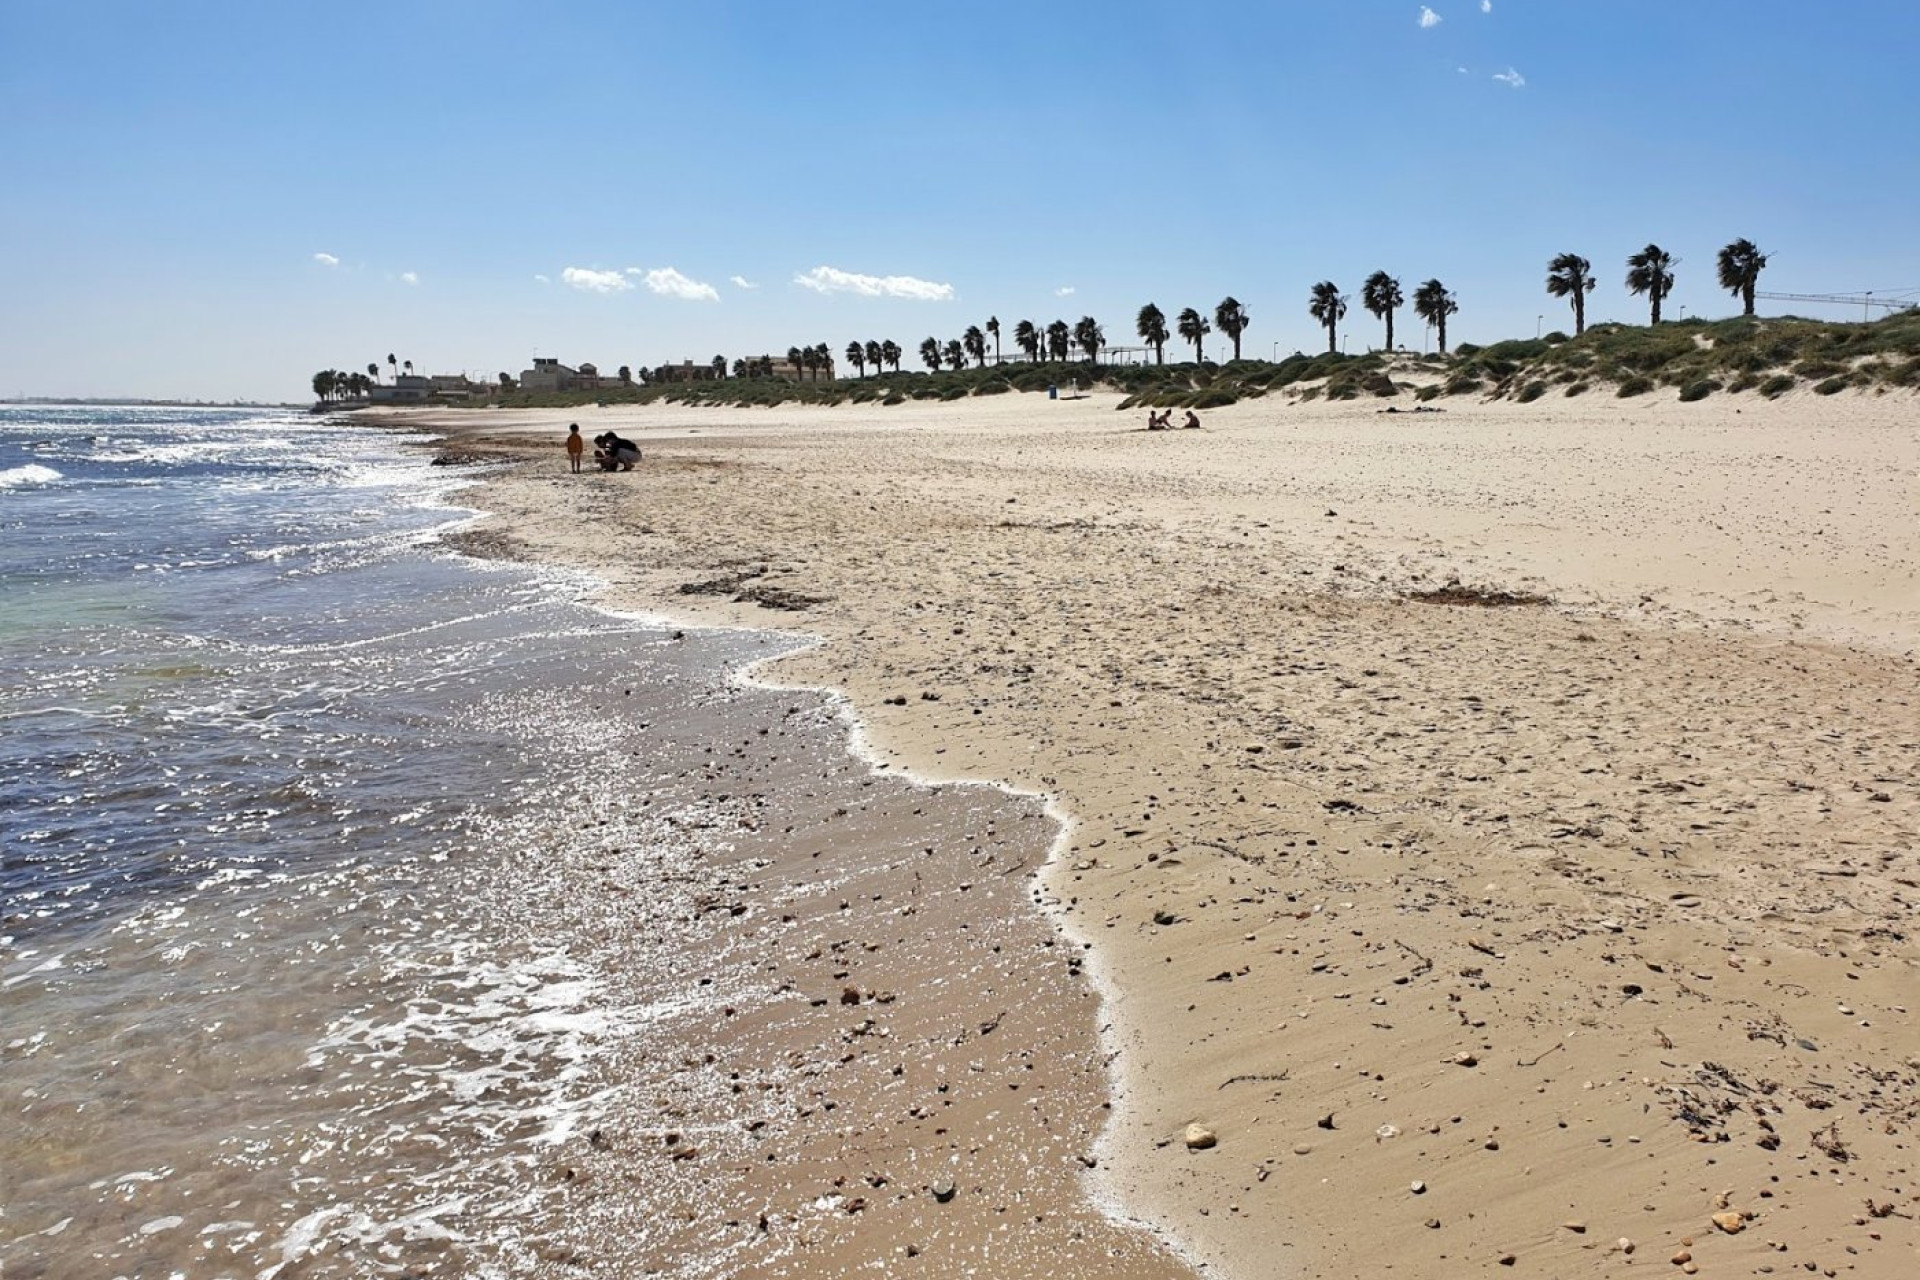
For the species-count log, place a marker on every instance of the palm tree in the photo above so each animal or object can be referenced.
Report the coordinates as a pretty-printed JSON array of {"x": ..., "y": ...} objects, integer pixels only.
[
  {"x": 393, "y": 364},
  {"x": 810, "y": 360},
  {"x": 857, "y": 357},
  {"x": 1571, "y": 276},
  {"x": 993, "y": 327},
  {"x": 1740, "y": 265},
  {"x": 824, "y": 358},
  {"x": 955, "y": 353},
  {"x": 626, "y": 372},
  {"x": 1329, "y": 307},
  {"x": 797, "y": 360},
  {"x": 930, "y": 352},
  {"x": 976, "y": 344},
  {"x": 1381, "y": 295},
  {"x": 890, "y": 352},
  {"x": 1027, "y": 338},
  {"x": 1650, "y": 271},
  {"x": 1151, "y": 325},
  {"x": 408, "y": 365},
  {"x": 1088, "y": 337},
  {"x": 1232, "y": 319},
  {"x": 1058, "y": 336},
  {"x": 743, "y": 368},
  {"x": 1193, "y": 327},
  {"x": 1432, "y": 303},
  {"x": 373, "y": 370},
  {"x": 323, "y": 384},
  {"x": 875, "y": 356}
]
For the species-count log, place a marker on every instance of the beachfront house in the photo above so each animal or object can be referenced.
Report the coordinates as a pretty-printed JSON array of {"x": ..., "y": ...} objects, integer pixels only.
[{"x": 406, "y": 388}]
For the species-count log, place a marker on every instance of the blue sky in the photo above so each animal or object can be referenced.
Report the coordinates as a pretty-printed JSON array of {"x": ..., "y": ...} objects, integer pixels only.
[{"x": 594, "y": 181}]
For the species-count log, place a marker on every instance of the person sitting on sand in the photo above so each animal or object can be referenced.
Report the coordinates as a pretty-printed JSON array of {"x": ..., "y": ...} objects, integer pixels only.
[
  {"x": 575, "y": 447},
  {"x": 1158, "y": 421},
  {"x": 1193, "y": 420}
]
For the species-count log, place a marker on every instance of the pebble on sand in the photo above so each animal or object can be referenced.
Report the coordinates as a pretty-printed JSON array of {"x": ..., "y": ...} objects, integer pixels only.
[{"x": 1200, "y": 1138}]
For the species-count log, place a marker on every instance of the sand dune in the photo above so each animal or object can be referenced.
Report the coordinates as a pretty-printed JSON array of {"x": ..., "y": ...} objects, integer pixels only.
[{"x": 1533, "y": 935}]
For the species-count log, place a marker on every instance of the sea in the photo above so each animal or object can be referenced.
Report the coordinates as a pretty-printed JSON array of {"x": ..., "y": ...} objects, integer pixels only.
[{"x": 296, "y": 807}]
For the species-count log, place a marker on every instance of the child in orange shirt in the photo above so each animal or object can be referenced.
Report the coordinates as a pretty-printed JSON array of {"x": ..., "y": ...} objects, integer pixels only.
[{"x": 575, "y": 447}]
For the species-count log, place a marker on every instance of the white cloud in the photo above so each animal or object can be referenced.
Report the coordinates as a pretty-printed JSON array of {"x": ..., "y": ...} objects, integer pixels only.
[
  {"x": 1486, "y": 6},
  {"x": 1064, "y": 291},
  {"x": 834, "y": 280},
  {"x": 409, "y": 277},
  {"x": 741, "y": 282},
  {"x": 591, "y": 281},
  {"x": 326, "y": 259},
  {"x": 670, "y": 283},
  {"x": 1429, "y": 19},
  {"x": 542, "y": 279},
  {"x": 1511, "y": 78}
]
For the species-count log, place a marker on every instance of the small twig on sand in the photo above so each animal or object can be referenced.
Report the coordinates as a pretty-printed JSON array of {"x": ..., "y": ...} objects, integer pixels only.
[
  {"x": 1424, "y": 965},
  {"x": 1535, "y": 1061},
  {"x": 1666, "y": 1042},
  {"x": 1271, "y": 1079}
]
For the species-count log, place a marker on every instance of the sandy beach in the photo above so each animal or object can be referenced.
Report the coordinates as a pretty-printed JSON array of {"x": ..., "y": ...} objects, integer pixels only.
[{"x": 1495, "y": 827}]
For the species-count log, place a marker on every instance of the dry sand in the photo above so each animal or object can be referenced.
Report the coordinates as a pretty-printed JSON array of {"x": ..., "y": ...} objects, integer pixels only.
[{"x": 1486, "y": 939}]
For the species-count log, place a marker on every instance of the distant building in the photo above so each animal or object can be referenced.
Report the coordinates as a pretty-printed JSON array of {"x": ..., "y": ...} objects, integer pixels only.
[
  {"x": 686, "y": 371},
  {"x": 784, "y": 368},
  {"x": 548, "y": 374},
  {"x": 406, "y": 388}
]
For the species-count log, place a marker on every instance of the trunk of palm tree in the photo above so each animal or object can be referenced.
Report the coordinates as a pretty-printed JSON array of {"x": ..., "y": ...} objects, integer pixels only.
[
  {"x": 1160, "y": 352},
  {"x": 1579, "y": 312},
  {"x": 1746, "y": 296},
  {"x": 1389, "y": 329},
  {"x": 1443, "y": 333},
  {"x": 1656, "y": 304},
  {"x": 1333, "y": 342}
]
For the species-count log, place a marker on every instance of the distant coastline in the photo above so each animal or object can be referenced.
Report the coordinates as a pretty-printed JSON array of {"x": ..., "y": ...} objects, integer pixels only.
[{"x": 98, "y": 402}]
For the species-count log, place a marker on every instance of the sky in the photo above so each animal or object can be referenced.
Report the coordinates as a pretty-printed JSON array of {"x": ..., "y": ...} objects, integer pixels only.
[{"x": 213, "y": 200}]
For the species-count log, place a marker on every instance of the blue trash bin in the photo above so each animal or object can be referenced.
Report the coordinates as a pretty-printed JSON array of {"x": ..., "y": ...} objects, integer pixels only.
[{"x": 1053, "y": 392}]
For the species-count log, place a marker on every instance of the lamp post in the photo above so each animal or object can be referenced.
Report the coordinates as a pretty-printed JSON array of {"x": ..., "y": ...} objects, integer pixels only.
[{"x": 1539, "y": 324}]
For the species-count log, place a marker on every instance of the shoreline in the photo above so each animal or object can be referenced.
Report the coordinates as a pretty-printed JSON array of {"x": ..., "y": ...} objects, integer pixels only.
[{"x": 949, "y": 494}]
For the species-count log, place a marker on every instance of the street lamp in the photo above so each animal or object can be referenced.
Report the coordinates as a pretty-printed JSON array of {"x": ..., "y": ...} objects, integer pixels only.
[{"x": 1539, "y": 324}]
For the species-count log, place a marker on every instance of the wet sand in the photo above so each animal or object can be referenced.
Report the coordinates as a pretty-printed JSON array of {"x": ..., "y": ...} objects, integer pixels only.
[{"x": 1520, "y": 939}]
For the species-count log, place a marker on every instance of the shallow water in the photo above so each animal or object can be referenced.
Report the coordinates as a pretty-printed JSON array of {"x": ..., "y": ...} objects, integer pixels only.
[{"x": 294, "y": 976}]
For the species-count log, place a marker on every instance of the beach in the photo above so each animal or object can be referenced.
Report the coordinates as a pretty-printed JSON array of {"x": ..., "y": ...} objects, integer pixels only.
[{"x": 1494, "y": 827}]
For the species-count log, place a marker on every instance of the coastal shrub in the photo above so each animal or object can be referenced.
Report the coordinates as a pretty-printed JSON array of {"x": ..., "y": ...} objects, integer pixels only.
[
  {"x": 1563, "y": 377},
  {"x": 1814, "y": 369},
  {"x": 1833, "y": 385},
  {"x": 993, "y": 387},
  {"x": 1778, "y": 385},
  {"x": 1906, "y": 375},
  {"x": 957, "y": 392},
  {"x": 1467, "y": 350},
  {"x": 1577, "y": 389},
  {"x": 1432, "y": 391},
  {"x": 1311, "y": 393},
  {"x": 1698, "y": 389},
  {"x": 1212, "y": 398},
  {"x": 1555, "y": 338},
  {"x": 1460, "y": 385},
  {"x": 894, "y": 397},
  {"x": 1745, "y": 382},
  {"x": 1635, "y": 386},
  {"x": 1531, "y": 392}
]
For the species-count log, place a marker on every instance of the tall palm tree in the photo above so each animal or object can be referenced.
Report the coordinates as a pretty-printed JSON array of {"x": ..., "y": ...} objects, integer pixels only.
[
  {"x": 975, "y": 343},
  {"x": 1058, "y": 337},
  {"x": 825, "y": 358},
  {"x": 323, "y": 385},
  {"x": 1650, "y": 271},
  {"x": 408, "y": 365},
  {"x": 956, "y": 354},
  {"x": 875, "y": 356},
  {"x": 857, "y": 357},
  {"x": 1432, "y": 303},
  {"x": 930, "y": 353},
  {"x": 890, "y": 352},
  {"x": 1151, "y": 325},
  {"x": 798, "y": 359},
  {"x": 1381, "y": 295},
  {"x": 1193, "y": 327},
  {"x": 393, "y": 364},
  {"x": 993, "y": 327},
  {"x": 1027, "y": 338},
  {"x": 373, "y": 370},
  {"x": 1232, "y": 320},
  {"x": 1329, "y": 307},
  {"x": 1571, "y": 276},
  {"x": 810, "y": 360},
  {"x": 1087, "y": 336},
  {"x": 1740, "y": 265},
  {"x": 742, "y": 368}
]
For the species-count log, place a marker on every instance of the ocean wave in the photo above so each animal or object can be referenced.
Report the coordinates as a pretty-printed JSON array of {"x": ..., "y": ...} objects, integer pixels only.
[{"x": 31, "y": 474}]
